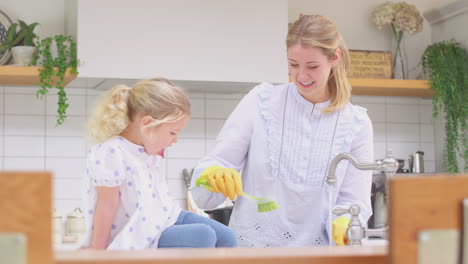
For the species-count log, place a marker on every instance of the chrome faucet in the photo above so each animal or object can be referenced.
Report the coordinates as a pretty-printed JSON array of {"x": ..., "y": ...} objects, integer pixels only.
[
  {"x": 389, "y": 165},
  {"x": 356, "y": 232}
]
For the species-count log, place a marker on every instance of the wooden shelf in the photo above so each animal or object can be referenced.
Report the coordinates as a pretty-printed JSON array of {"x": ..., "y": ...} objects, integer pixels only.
[
  {"x": 391, "y": 87},
  {"x": 25, "y": 75}
]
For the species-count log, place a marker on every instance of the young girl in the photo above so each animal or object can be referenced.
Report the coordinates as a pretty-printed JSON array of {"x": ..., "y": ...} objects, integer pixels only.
[{"x": 127, "y": 199}]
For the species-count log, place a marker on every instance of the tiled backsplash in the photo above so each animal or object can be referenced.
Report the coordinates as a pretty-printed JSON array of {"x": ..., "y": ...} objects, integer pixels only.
[{"x": 30, "y": 140}]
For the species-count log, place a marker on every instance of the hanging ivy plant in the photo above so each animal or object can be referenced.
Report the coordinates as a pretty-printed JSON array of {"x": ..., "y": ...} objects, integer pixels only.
[
  {"x": 446, "y": 63},
  {"x": 54, "y": 67}
]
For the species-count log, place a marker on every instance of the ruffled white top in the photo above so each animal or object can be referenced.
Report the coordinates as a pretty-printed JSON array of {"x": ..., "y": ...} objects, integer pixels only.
[
  {"x": 284, "y": 144},
  {"x": 146, "y": 208}
]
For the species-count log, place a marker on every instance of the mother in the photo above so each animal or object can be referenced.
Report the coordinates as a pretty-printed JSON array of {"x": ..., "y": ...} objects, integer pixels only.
[{"x": 283, "y": 137}]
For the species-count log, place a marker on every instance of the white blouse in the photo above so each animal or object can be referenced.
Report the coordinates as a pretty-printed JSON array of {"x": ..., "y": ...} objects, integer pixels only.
[
  {"x": 146, "y": 208},
  {"x": 283, "y": 145}
]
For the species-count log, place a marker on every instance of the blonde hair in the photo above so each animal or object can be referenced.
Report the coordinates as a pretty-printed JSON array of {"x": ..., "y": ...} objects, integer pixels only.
[
  {"x": 319, "y": 31},
  {"x": 159, "y": 98}
]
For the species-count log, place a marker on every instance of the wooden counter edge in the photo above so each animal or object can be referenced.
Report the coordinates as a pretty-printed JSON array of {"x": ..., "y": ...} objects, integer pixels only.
[{"x": 310, "y": 255}]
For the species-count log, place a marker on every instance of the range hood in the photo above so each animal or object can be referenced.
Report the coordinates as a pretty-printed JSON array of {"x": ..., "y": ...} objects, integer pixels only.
[{"x": 203, "y": 43}]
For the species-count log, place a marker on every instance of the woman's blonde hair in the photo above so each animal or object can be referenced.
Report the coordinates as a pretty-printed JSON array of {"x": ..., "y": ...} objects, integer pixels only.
[
  {"x": 159, "y": 98},
  {"x": 319, "y": 31}
]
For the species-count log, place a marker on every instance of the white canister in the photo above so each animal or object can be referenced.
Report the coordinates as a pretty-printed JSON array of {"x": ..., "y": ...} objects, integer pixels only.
[
  {"x": 75, "y": 224},
  {"x": 57, "y": 227}
]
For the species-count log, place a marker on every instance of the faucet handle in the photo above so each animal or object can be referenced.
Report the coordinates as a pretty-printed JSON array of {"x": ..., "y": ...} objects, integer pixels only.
[{"x": 340, "y": 211}]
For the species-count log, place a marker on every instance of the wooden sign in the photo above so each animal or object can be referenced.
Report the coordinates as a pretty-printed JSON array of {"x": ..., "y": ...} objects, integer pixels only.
[{"x": 370, "y": 64}]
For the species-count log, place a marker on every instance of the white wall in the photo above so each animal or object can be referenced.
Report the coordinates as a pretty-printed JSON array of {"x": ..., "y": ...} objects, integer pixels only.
[
  {"x": 353, "y": 20},
  {"x": 48, "y": 13}
]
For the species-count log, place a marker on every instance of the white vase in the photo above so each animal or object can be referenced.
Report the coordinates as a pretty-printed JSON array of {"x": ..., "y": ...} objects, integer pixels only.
[{"x": 23, "y": 55}]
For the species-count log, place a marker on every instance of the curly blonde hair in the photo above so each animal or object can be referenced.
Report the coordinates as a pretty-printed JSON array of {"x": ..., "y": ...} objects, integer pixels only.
[
  {"x": 159, "y": 98},
  {"x": 319, "y": 31}
]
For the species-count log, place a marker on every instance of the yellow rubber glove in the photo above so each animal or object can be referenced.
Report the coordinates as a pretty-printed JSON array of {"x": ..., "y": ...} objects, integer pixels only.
[
  {"x": 219, "y": 179},
  {"x": 340, "y": 226}
]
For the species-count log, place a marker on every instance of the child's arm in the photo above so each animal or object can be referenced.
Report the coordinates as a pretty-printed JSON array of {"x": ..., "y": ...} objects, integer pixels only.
[{"x": 106, "y": 208}]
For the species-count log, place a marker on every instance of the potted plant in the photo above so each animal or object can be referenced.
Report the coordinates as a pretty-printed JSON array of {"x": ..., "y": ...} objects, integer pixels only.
[
  {"x": 446, "y": 64},
  {"x": 56, "y": 55},
  {"x": 21, "y": 43}
]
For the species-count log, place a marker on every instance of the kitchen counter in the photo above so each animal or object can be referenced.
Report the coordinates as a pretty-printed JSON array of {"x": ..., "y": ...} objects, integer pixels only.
[{"x": 374, "y": 254}]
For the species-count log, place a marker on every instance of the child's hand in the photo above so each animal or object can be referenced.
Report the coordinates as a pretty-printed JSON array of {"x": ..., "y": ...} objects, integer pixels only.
[{"x": 219, "y": 179}]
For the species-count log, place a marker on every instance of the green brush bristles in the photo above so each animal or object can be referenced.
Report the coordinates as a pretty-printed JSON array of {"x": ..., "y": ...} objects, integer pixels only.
[
  {"x": 267, "y": 207},
  {"x": 263, "y": 204}
]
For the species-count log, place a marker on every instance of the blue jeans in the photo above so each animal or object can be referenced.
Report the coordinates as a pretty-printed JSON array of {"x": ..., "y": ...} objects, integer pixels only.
[{"x": 195, "y": 231}]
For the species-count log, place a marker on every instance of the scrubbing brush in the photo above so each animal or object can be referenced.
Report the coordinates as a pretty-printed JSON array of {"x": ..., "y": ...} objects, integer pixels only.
[{"x": 264, "y": 204}]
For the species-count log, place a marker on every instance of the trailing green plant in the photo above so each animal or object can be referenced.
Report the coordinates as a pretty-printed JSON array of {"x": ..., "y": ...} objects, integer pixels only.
[
  {"x": 24, "y": 37},
  {"x": 446, "y": 63},
  {"x": 54, "y": 69}
]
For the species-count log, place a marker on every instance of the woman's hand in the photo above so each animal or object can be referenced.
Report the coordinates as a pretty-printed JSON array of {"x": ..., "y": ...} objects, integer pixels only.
[
  {"x": 218, "y": 179},
  {"x": 340, "y": 226}
]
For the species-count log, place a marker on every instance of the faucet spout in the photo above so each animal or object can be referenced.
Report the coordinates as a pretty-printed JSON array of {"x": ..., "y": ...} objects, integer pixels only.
[{"x": 389, "y": 165}]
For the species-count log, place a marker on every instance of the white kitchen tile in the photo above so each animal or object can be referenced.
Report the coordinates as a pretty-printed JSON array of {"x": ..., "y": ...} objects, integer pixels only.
[
  {"x": 218, "y": 108},
  {"x": 427, "y": 133},
  {"x": 197, "y": 107},
  {"x": 425, "y": 113},
  {"x": 380, "y": 150},
  {"x": 2, "y": 103},
  {"x": 177, "y": 188},
  {"x": 21, "y": 89},
  {"x": 403, "y": 132},
  {"x": 429, "y": 166},
  {"x": 194, "y": 129},
  {"x": 176, "y": 166},
  {"x": 376, "y": 112},
  {"x": 213, "y": 127},
  {"x": 402, "y": 100},
  {"x": 187, "y": 148},
  {"x": 402, "y": 150},
  {"x": 28, "y": 164},
  {"x": 95, "y": 92},
  {"x": 2, "y": 117},
  {"x": 425, "y": 101},
  {"x": 24, "y": 125},
  {"x": 429, "y": 150},
  {"x": 370, "y": 99},
  {"x": 23, "y": 104},
  {"x": 227, "y": 96},
  {"x": 65, "y": 147},
  {"x": 380, "y": 133},
  {"x": 73, "y": 126},
  {"x": 67, "y": 188},
  {"x": 24, "y": 146},
  {"x": 403, "y": 113},
  {"x": 66, "y": 167},
  {"x": 66, "y": 206},
  {"x": 69, "y": 90},
  {"x": 1, "y": 163},
  {"x": 77, "y": 105},
  {"x": 209, "y": 145}
]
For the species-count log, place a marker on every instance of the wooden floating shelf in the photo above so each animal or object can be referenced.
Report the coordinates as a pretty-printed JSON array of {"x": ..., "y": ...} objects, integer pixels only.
[
  {"x": 29, "y": 75},
  {"x": 391, "y": 87},
  {"x": 25, "y": 75}
]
